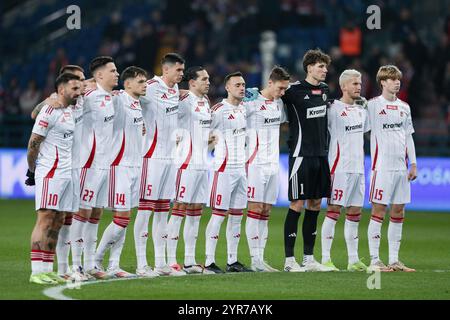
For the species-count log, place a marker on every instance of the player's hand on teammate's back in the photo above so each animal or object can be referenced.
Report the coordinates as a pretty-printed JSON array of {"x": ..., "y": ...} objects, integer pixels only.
[
  {"x": 30, "y": 180},
  {"x": 361, "y": 102},
  {"x": 412, "y": 175}
]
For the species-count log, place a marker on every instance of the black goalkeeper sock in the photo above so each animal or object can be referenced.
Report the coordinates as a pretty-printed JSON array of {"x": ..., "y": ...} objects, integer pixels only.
[
  {"x": 309, "y": 231},
  {"x": 290, "y": 231}
]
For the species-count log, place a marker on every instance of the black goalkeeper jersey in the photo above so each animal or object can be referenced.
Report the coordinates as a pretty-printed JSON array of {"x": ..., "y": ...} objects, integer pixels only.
[{"x": 306, "y": 107}]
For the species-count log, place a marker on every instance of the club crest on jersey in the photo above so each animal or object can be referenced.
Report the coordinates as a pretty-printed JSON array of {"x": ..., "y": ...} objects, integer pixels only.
[
  {"x": 383, "y": 112},
  {"x": 172, "y": 91},
  {"x": 391, "y": 107},
  {"x": 401, "y": 113},
  {"x": 324, "y": 97}
]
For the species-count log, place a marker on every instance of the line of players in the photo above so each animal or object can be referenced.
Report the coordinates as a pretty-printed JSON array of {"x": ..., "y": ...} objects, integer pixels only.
[{"x": 159, "y": 138}]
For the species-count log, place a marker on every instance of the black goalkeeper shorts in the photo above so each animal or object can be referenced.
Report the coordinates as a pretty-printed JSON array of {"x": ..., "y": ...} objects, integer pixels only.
[{"x": 309, "y": 178}]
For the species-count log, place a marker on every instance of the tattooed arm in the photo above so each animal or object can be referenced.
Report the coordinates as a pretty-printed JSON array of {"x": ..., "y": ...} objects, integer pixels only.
[{"x": 33, "y": 150}]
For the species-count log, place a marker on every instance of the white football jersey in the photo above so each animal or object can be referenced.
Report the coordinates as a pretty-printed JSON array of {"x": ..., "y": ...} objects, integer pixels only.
[
  {"x": 98, "y": 119},
  {"x": 264, "y": 117},
  {"x": 194, "y": 122},
  {"x": 55, "y": 152},
  {"x": 127, "y": 131},
  {"x": 160, "y": 111},
  {"x": 347, "y": 125},
  {"x": 77, "y": 111},
  {"x": 390, "y": 122},
  {"x": 229, "y": 125}
]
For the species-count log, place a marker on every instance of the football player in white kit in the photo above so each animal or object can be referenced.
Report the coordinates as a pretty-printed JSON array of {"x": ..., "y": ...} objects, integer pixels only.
[
  {"x": 157, "y": 188},
  {"x": 392, "y": 147},
  {"x": 264, "y": 116},
  {"x": 347, "y": 123},
  {"x": 194, "y": 121},
  {"x": 49, "y": 159},
  {"x": 64, "y": 243},
  {"x": 228, "y": 191},
  {"x": 125, "y": 171},
  {"x": 97, "y": 133}
]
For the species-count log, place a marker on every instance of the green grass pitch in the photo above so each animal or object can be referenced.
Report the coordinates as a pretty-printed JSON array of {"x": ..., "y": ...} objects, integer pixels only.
[{"x": 425, "y": 246}]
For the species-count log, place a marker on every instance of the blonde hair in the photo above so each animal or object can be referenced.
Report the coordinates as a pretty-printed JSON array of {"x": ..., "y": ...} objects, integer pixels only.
[
  {"x": 388, "y": 72},
  {"x": 347, "y": 75}
]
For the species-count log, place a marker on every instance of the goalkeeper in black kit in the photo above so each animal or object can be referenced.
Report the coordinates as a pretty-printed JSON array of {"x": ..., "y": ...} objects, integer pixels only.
[{"x": 309, "y": 173}]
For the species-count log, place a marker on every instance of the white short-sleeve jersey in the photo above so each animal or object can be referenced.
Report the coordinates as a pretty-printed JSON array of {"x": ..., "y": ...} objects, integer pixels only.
[
  {"x": 264, "y": 117},
  {"x": 390, "y": 124},
  {"x": 77, "y": 111},
  {"x": 229, "y": 125},
  {"x": 127, "y": 131},
  {"x": 98, "y": 119},
  {"x": 160, "y": 111},
  {"x": 55, "y": 152},
  {"x": 194, "y": 122},
  {"x": 347, "y": 125}
]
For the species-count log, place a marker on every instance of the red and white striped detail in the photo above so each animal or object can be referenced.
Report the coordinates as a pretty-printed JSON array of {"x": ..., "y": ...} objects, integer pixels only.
[
  {"x": 68, "y": 220},
  {"x": 90, "y": 159},
  {"x": 336, "y": 160},
  {"x": 162, "y": 206},
  {"x": 121, "y": 221},
  {"x": 151, "y": 81},
  {"x": 177, "y": 183},
  {"x": 375, "y": 157},
  {"x": 334, "y": 215},
  {"x": 216, "y": 107},
  {"x": 218, "y": 212},
  {"x": 212, "y": 199},
  {"x": 79, "y": 218},
  {"x": 353, "y": 217},
  {"x": 253, "y": 156},
  {"x": 94, "y": 220},
  {"x": 194, "y": 212},
  {"x": 184, "y": 96},
  {"x": 377, "y": 219},
  {"x": 44, "y": 194},
  {"x": 179, "y": 212},
  {"x": 112, "y": 186},
  {"x": 89, "y": 92},
  {"x": 121, "y": 151},
  {"x": 49, "y": 110},
  {"x": 146, "y": 205},
  {"x": 48, "y": 256},
  {"x": 372, "y": 185},
  {"x": 254, "y": 215},
  {"x": 36, "y": 255},
  {"x": 397, "y": 220},
  {"x": 236, "y": 212}
]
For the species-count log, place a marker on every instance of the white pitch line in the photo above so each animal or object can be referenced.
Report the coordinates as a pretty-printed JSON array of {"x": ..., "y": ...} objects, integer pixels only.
[{"x": 56, "y": 292}]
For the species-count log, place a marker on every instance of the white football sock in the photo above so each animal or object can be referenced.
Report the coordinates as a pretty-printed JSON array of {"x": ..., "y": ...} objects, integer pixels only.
[
  {"x": 327, "y": 235},
  {"x": 36, "y": 261},
  {"x": 90, "y": 246},
  {"x": 141, "y": 236},
  {"x": 62, "y": 249},
  {"x": 47, "y": 261},
  {"x": 253, "y": 235},
  {"x": 264, "y": 234},
  {"x": 351, "y": 239},
  {"x": 112, "y": 234},
  {"x": 394, "y": 238},
  {"x": 233, "y": 234},
  {"x": 374, "y": 237},
  {"x": 159, "y": 234},
  {"x": 190, "y": 233},
  {"x": 77, "y": 239},
  {"x": 116, "y": 251},
  {"x": 212, "y": 235},
  {"x": 173, "y": 231}
]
